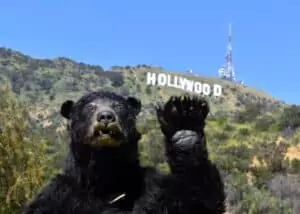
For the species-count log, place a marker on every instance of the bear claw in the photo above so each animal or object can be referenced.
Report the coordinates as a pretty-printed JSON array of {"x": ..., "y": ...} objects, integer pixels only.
[{"x": 182, "y": 113}]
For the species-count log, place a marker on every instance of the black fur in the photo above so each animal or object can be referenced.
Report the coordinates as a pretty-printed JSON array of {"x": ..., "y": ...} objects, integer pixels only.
[{"x": 93, "y": 177}]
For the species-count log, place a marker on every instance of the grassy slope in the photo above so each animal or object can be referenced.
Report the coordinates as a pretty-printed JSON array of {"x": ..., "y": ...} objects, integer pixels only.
[{"x": 37, "y": 80}]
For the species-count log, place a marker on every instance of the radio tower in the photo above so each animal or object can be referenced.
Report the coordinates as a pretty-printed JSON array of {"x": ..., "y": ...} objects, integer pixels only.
[{"x": 227, "y": 70}]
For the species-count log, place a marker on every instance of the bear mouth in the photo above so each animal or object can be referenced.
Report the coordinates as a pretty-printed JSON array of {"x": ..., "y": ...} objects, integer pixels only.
[
  {"x": 107, "y": 135},
  {"x": 112, "y": 130},
  {"x": 103, "y": 132}
]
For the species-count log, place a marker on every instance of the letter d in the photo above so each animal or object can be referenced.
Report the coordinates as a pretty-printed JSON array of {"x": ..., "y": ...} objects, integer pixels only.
[{"x": 217, "y": 90}]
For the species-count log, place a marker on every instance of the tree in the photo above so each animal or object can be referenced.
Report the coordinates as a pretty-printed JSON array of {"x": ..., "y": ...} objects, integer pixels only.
[
  {"x": 290, "y": 117},
  {"x": 23, "y": 163}
]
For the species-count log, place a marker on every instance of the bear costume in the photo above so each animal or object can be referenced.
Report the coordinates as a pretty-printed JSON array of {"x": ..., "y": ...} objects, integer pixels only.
[{"x": 103, "y": 175}]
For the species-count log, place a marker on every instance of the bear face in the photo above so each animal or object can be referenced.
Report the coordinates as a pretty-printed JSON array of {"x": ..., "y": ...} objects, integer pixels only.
[{"x": 102, "y": 119}]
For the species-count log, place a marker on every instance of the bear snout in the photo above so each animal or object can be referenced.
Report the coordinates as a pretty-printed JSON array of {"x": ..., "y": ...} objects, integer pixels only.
[{"x": 106, "y": 117}]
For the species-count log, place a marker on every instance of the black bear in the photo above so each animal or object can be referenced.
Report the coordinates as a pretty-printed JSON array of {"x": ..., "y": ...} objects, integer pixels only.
[{"x": 103, "y": 172}]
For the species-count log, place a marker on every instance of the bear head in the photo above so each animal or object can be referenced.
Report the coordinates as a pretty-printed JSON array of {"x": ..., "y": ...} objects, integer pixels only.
[{"x": 100, "y": 120}]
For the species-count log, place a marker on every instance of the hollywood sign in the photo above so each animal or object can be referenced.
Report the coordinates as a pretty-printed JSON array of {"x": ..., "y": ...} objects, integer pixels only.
[{"x": 174, "y": 81}]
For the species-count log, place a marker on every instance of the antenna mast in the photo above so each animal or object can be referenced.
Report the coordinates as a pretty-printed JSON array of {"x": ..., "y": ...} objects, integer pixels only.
[{"x": 227, "y": 70}]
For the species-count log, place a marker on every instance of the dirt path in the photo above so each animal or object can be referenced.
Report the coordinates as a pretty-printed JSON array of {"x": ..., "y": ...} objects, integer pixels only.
[{"x": 293, "y": 153}]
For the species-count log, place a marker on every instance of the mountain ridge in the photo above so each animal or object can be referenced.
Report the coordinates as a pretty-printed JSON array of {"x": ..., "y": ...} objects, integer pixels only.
[
  {"x": 7, "y": 54},
  {"x": 49, "y": 82}
]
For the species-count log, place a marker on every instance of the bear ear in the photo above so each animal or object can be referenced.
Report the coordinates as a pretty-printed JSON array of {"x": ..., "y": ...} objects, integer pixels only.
[
  {"x": 65, "y": 109},
  {"x": 135, "y": 104}
]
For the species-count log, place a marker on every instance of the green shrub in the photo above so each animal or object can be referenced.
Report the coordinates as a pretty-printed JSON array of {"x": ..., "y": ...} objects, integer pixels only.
[{"x": 24, "y": 165}]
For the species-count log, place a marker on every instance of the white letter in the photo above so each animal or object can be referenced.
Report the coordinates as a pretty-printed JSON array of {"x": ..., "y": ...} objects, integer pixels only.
[
  {"x": 162, "y": 79},
  {"x": 169, "y": 83},
  {"x": 151, "y": 78},
  {"x": 217, "y": 90},
  {"x": 197, "y": 87},
  {"x": 181, "y": 83},
  {"x": 176, "y": 82},
  {"x": 189, "y": 85},
  {"x": 206, "y": 89}
]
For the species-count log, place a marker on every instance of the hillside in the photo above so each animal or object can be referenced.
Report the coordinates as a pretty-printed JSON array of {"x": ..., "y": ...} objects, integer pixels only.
[
  {"x": 252, "y": 137},
  {"x": 50, "y": 82}
]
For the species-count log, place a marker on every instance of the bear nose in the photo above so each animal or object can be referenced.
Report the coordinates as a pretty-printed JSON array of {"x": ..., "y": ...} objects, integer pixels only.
[{"x": 106, "y": 117}]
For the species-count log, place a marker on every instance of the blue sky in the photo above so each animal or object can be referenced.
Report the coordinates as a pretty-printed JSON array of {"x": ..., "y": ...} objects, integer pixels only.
[{"x": 176, "y": 35}]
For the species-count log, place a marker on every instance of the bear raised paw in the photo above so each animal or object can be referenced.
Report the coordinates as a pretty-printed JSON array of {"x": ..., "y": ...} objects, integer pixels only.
[
  {"x": 182, "y": 121},
  {"x": 103, "y": 173},
  {"x": 194, "y": 185}
]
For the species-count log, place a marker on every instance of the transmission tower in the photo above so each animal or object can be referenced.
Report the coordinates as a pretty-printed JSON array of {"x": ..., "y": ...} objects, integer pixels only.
[{"x": 227, "y": 70}]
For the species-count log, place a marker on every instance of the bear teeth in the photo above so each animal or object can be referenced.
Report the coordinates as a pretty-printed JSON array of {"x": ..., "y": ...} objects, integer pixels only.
[{"x": 105, "y": 132}]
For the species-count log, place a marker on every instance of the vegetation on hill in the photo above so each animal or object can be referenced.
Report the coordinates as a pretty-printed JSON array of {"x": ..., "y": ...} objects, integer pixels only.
[{"x": 251, "y": 137}]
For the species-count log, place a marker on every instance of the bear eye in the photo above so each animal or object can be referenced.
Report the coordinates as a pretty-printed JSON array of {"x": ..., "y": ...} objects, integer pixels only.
[
  {"x": 118, "y": 106},
  {"x": 91, "y": 107}
]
